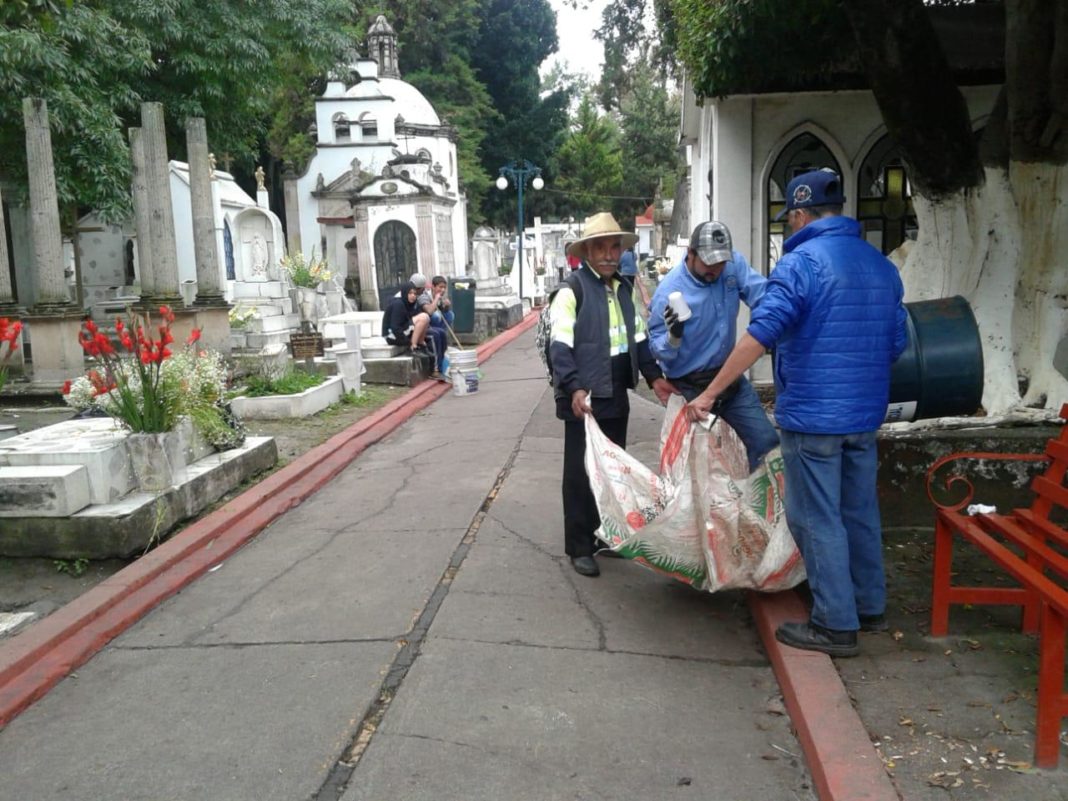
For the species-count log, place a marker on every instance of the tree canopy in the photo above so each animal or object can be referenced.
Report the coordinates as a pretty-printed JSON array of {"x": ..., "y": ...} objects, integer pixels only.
[{"x": 94, "y": 63}]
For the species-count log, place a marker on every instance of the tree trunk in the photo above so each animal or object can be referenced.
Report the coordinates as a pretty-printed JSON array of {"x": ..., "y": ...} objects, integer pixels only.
[
  {"x": 992, "y": 228},
  {"x": 923, "y": 109}
]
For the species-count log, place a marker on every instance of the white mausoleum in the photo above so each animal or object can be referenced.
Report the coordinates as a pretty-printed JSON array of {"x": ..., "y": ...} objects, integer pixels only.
[{"x": 381, "y": 197}]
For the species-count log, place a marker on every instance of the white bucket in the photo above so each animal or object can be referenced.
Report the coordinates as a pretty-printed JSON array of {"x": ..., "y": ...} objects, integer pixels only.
[
  {"x": 461, "y": 359},
  {"x": 464, "y": 381}
]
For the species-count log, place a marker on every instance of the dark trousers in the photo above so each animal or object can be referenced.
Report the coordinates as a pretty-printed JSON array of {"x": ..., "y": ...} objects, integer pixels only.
[{"x": 581, "y": 519}]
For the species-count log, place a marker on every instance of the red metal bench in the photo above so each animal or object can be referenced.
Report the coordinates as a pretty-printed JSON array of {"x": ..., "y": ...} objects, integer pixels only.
[{"x": 1033, "y": 549}]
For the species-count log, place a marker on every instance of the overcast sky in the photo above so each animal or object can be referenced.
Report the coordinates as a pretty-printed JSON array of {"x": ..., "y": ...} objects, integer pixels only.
[{"x": 575, "y": 29}]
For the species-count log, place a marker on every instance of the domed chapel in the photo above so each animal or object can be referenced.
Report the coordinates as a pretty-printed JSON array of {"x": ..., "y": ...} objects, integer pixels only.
[{"x": 381, "y": 197}]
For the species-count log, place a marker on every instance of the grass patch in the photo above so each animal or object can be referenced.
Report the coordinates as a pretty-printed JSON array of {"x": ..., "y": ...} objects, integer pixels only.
[
  {"x": 291, "y": 382},
  {"x": 370, "y": 397}
]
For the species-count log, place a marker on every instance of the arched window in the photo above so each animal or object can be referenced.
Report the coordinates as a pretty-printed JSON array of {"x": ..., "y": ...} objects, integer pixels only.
[
  {"x": 368, "y": 126},
  {"x": 884, "y": 197},
  {"x": 424, "y": 155},
  {"x": 803, "y": 153},
  {"x": 395, "y": 258},
  {"x": 342, "y": 132},
  {"x": 228, "y": 252}
]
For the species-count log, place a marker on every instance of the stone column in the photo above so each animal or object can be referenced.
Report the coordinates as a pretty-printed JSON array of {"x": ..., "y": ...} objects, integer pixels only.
[
  {"x": 368, "y": 284},
  {"x": 209, "y": 291},
  {"x": 47, "y": 238},
  {"x": 9, "y": 308},
  {"x": 292, "y": 209},
  {"x": 161, "y": 213},
  {"x": 142, "y": 216},
  {"x": 54, "y": 321},
  {"x": 8, "y": 303},
  {"x": 212, "y": 310},
  {"x": 424, "y": 232}
]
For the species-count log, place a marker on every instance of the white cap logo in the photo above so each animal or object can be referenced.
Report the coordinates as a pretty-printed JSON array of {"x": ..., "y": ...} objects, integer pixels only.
[{"x": 802, "y": 193}]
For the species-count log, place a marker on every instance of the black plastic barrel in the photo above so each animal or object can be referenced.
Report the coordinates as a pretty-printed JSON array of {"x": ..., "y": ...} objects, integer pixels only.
[
  {"x": 462, "y": 294},
  {"x": 940, "y": 374}
]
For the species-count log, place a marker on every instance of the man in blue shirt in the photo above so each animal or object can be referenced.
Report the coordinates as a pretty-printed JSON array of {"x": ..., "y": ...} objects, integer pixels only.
[
  {"x": 834, "y": 313},
  {"x": 713, "y": 280}
]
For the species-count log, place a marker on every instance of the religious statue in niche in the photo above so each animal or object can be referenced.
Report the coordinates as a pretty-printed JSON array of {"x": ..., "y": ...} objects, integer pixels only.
[
  {"x": 260, "y": 176},
  {"x": 258, "y": 250}
]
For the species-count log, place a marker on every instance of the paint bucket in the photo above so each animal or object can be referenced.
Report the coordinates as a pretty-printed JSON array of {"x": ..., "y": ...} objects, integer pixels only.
[
  {"x": 462, "y": 359},
  {"x": 464, "y": 381},
  {"x": 940, "y": 374}
]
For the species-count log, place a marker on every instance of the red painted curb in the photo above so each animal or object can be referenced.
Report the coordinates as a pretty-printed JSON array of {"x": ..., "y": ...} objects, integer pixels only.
[
  {"x": 843, "y": 762},
  {"x": 32, "y": 663}
]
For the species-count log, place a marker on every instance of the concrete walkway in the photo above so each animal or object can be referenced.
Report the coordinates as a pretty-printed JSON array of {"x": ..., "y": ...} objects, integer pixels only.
[{"x": 412, "y": 631}]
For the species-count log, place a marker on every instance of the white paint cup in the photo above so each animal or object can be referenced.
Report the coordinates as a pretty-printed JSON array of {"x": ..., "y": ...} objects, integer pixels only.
[{"x": 678, "y": 303}]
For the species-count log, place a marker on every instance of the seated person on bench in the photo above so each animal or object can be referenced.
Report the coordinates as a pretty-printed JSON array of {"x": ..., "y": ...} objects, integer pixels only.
[
  {"x": 402, "y": 321},
  {"x": 437, "y": 306}
]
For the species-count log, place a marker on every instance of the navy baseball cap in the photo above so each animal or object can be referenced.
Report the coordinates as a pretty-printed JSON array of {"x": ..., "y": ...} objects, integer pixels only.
[{"x": 816, "y": 188}]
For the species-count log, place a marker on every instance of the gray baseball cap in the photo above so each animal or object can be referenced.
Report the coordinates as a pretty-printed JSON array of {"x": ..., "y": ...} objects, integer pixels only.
[{"x": 712, "y": 241}]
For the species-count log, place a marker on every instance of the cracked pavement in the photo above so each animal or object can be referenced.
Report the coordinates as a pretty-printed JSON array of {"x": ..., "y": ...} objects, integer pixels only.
[{"x": 413, "y": 631}]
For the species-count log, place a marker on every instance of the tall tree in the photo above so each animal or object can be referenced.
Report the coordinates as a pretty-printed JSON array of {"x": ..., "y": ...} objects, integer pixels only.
[
  {"x": 515, "y": 37},
  {"x": 649, "y": 122},
  {"x": 95, "y": 62},
  {"x": 589, "y": 164},
  {"x": 633, "y": 33},
  {"x": 993, "y": 221}
]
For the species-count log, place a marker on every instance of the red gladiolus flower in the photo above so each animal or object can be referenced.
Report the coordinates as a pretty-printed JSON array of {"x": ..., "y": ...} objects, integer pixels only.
[
  {"x": 194, "y": 335},
  {"x": 66, "y": 388}
]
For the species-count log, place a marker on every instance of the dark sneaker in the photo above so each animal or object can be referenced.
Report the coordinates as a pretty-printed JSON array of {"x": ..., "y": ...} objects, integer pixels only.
[
  {"x": 810, "y": 637},
  {"x": 585, "y": 566},
  {"x": 873, "y": 623}
]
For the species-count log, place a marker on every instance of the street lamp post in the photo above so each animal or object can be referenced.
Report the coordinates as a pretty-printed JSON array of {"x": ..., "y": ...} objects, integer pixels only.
[{"x": 519, "y": 171}]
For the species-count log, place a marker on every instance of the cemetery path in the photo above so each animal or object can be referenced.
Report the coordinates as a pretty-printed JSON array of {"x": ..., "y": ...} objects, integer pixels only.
[{"x": 411, "y": 630}]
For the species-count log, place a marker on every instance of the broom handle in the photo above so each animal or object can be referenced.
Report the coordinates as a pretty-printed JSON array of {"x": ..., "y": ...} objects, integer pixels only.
[{"x": 456, "y": 339}]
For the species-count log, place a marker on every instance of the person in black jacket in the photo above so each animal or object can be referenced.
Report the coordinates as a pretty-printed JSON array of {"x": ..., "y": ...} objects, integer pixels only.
[
  {"x": 402, "y": 322},
  {"x": 598, "y": 349}
]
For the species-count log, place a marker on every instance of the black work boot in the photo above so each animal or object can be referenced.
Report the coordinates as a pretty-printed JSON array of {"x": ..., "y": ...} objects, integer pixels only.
[
  {"x": 873, "y": 623},
  {"x": 585, "y": 566},
  {"x": 811, "y": 637}
]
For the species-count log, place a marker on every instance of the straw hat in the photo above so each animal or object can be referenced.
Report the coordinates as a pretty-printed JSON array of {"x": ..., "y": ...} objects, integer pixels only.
[{"x": 597, "y": 226}]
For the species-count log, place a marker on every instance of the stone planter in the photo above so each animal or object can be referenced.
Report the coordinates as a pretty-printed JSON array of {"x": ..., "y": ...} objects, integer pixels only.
[
  {"x": 158, "y": 460},
  {"x": 275, "y": 407}
]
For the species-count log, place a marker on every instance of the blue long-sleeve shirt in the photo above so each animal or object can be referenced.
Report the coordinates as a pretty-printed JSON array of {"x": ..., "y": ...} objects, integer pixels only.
[{"x": 710, "y": 334}]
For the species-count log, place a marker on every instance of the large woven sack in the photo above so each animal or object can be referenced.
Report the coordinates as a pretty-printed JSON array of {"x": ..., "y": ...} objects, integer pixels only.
[{"x": 703, "y": 518}]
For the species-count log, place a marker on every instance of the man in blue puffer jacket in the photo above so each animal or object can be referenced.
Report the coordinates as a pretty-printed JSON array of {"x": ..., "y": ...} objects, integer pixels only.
[{"x": 833, "y": 311}]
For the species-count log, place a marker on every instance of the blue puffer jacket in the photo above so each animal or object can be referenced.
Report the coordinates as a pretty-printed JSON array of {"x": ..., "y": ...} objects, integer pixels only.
[{"x": 833, "y": 311}]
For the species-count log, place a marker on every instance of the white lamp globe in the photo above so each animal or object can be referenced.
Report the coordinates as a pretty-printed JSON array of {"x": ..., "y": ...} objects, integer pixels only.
[
  {"x": 537, "y": 183},
  {"x": 502, "y": 183}
]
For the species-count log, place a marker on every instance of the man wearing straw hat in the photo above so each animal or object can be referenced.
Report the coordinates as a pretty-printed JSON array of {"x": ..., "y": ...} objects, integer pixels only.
[{"x": 599, "y": 346}]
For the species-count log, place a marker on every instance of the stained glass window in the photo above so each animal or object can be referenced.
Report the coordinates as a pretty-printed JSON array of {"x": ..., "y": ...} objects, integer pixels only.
[{"x": 804, "y": 153}]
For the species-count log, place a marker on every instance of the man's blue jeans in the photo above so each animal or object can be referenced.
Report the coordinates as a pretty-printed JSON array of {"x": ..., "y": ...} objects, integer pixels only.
[
  {"x": 832, "y": 507},
  {"x": 746, "y": 416}
]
